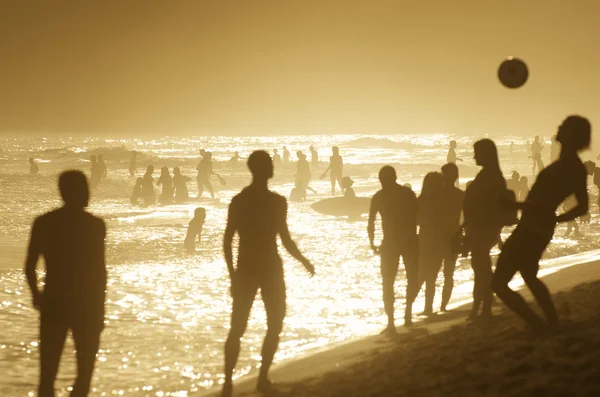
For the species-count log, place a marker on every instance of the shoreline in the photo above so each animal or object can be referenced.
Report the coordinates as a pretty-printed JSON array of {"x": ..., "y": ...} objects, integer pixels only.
[{"x": 578, "y": 269}]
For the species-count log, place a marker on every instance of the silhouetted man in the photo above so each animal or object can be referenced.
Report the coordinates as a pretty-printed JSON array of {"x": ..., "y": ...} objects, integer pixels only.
[
  {"x": 454, "y": 199},
  {"x": 398, "y": 208},
  {"x": 71, "y": 241},
  {"x": 258, "y": 216},
  {"x": 524, "y": 248}
]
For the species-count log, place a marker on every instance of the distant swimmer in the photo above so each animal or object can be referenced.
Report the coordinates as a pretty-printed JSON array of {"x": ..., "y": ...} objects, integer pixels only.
[
  {"x": 102, "y": 167},
  {"x": 180, "y": 186},
  {"x": 71, "y": 241},
  {"x": 133, "y": 164},
  {"x": 167, "y": 186},
  {"x": 258, "y": 216},
  {"x": 522, "y": 251},
  {"x": 286, "y": 155},
  {"x": 347, "y": 184},
  {"x": 314, "y": 156},
  {"x": 454, "y": 202},
  {"x": 95, "y": 172},
  {"x": 195, "y": 230},
  {"x": 397, "y": 206},
  {"x": 276, "y": 158},
  {"x": 484, "y": 220},
  {"x": 33, "y": 167},
  {"x": 233, "y": 161},
  {"x": 205, "y": 170},
  {"x": 137, "y": 193},
  {"x": 451, "y": 157},
  {"x": 336, "y": 166},
  {"x": 536, "y": 155},
  {"x": 432, "y": 237},
  {"x": 572, "y": 225},
  {"x": 148, "y": 193}
]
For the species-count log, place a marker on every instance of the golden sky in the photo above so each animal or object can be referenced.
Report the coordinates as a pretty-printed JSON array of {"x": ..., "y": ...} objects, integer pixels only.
[{"x": 286, "y": 67}]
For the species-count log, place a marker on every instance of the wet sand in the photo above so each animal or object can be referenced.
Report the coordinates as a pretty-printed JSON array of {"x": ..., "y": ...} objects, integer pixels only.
[{"x": 445, "y": 356}]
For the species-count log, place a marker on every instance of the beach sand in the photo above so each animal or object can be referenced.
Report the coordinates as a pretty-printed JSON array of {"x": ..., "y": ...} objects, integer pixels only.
[{"x": 446, "y": 356}]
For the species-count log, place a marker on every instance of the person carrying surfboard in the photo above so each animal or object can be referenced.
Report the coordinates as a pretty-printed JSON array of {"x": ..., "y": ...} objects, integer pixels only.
[{"x": 397, "y": 206}]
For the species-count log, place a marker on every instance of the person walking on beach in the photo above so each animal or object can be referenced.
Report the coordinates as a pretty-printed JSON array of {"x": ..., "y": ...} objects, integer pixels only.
[
  {"x": 454, "y": 201},
  {"x": 286, "y": 155},
  {"x": 397, "y": 206},
  {"x": 257, "y": 215},
  {"x": 205, "y": 171},
  {"x": 430, "y": 217},
  {"x": 536, "y": 155},
  {"x": 276, "y": 158},
  {"x": 522, "y": 251},
  {"x": 33, "y": 167},
  {"x": 451, "y": 157},
  {"x": 484, "y": 221},
  {"x": 71, "y": 241},
  {"x": 336, "y": 166}
]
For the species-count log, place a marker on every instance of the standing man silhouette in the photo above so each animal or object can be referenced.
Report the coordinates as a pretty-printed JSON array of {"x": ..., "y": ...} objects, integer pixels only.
[
  {"x": 398, "y": 208},
  {"x": 71, "y": 241},
  {"x": 258, "y": 215}
]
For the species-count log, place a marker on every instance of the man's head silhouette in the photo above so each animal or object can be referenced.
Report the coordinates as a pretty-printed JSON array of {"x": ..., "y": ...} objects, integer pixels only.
[
  {"x": 575, "y": 133},
  {"x": 387, "y": 176},
  {"x": 74, "y": 189},
  {"x": 260, "y": 165},
  {"x": 450, "y": 173}
]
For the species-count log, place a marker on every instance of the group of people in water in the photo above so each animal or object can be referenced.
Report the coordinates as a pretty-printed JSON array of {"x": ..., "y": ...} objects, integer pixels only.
[{"x": 426, "y": 231}]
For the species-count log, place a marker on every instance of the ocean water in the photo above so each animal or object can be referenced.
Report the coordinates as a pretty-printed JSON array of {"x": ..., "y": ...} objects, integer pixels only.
[{"x": 167, "y": 310}]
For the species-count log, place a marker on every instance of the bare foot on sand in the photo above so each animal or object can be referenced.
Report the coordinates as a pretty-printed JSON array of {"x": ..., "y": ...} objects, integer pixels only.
[
  {"x": 264, "y": 385},
  {"x": 389, "y": 330},
  {"x": 408, "y": 321}
]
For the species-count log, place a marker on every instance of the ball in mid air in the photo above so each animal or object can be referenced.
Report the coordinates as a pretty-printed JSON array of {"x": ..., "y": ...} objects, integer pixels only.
[{"x": 513, "y": 73}]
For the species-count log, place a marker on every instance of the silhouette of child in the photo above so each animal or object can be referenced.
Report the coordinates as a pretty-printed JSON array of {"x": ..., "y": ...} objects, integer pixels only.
[
  {"x": 347, "y": 183},
  {"x": 195, "y": 229}
]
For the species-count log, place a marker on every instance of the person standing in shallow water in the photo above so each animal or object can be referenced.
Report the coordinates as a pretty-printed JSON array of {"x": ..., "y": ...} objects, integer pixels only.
[
  {"x": 195, "y": 230},
  {"x": 454, "y": 201},
  {"x": 257, "y": 215},
  {"x": 33, "y": 167},
  {"x": 314, "y": 156},
  {"x": 133, "y": 163},
  {"x": 524, "y": 248},
  {"x": 484, "y": 221},
  {"x": 71, "y": 241},
  {"x": 167, "y": 186},
  {"x": 336, "y": 166},
  {"x": 536, "y": 155},
  {"x": 397, "y": 206},
  {"x": 95, "y": 172},
  {"x": 148, "y": 194}
]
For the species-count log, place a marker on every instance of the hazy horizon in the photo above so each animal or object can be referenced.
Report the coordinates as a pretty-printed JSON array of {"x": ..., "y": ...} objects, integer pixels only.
[{"x": 283, "y": 68}]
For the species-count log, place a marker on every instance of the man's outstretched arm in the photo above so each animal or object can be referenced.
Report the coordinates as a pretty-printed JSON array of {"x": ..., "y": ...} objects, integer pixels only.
[
  {"x": 33, "y": 253},
  {"x": 290, "y": 245}
]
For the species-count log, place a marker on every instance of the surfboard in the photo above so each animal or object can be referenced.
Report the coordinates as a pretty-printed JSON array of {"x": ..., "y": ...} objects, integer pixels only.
[{"x": 341, "y": 206}]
